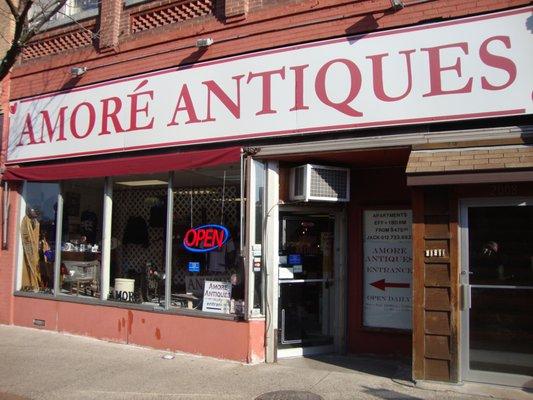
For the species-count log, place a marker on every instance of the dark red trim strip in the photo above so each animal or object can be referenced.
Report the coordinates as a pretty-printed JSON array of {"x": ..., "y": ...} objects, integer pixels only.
[{"x": 125, "y": 165}]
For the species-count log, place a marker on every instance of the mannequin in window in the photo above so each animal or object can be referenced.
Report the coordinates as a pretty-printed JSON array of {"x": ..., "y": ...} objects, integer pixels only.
[{"x": 29, "y": 232}]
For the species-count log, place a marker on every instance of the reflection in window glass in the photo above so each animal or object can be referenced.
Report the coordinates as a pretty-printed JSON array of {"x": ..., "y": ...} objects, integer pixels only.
[
  {"x": 137, "y": 269},
  {"x": 81, "y": 247},
  {"x": 38, "y": 232},
  {"x": 501, "y": 245},
  {"x": 71, "y": 9},
  {"x": 207, "y": 272}
]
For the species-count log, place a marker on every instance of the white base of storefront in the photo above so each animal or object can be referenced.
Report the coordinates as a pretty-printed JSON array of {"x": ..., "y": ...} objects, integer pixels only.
[{"x": 305, "y": 351}]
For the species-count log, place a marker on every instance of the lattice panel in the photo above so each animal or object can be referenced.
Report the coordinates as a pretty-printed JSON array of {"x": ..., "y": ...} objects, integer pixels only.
[
  {"x": 58, "y": 44},
  {"x": 206, "y": 206},
  {"x": 170, "y": 15},
  {"x": 207, "y": 209},
  {"x": 136, "y": 203}
]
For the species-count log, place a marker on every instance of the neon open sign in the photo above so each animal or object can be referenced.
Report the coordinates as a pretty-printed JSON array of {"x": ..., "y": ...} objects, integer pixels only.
[{"x": 205, "y": 238}]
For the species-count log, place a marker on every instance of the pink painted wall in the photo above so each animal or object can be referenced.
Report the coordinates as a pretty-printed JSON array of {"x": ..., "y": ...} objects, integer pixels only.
[
  {"x": 232, "y": 340},
  {"x": 8, "y": 255}
]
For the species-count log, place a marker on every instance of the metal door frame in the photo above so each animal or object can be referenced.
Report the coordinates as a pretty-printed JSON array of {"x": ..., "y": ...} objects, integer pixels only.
[
  {"x": 465, "y": 372},
  {"x": 338, "y": 214}
]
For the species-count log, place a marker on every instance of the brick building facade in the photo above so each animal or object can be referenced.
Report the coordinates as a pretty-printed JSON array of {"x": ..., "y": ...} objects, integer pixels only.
[{"x": 430, "y": 168}]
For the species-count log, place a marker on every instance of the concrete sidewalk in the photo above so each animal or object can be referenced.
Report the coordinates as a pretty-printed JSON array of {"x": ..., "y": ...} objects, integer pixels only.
[{"x": 45, "y": 365}]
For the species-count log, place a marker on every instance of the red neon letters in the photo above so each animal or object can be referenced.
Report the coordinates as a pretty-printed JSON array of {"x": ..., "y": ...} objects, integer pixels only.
[{"x": 205, "y": 238}]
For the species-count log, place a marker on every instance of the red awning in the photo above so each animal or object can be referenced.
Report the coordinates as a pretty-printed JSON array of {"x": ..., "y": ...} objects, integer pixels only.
[{"x": 124, "y": 165}]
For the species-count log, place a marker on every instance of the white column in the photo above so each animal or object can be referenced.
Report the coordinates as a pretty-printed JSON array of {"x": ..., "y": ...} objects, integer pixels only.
[
  {"x": 59, "y": 240},
  {"x": 106, "y": 238},
  {"x": 18, "y": 241},
  {"x": 250, "y": 238},
  {"x": 271, "y": 257},
  {"x": 168, "y": 244}
]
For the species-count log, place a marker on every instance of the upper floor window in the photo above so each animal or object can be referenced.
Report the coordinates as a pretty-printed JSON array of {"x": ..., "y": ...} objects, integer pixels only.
[{"x": 71, "y": 10}]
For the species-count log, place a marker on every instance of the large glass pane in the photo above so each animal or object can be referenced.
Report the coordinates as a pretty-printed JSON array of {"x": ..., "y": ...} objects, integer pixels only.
[
  {"x": 501, "y": 279},
  {"x": 501, "y": 245},
  {"x": 306, "y": 270},
  {"x": 138, "y": 237},
  {"x": 307, "y": 246},
  {"x": 38, "y": 236},
  {"x": 501, "y": 330},
  {"x": 81, "y": 237},
  {"x": 207, "y": 270},
  {"x": 305, "y": 317}
]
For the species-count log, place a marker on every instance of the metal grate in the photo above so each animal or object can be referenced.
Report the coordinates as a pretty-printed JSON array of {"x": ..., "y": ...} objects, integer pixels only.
[{"x": 330, "y": 183}]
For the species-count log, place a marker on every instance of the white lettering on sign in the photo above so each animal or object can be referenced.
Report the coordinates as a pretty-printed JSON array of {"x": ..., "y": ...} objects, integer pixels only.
[
  {"x": 387, "y": 267},
  {"x": 476, "y": 67}
]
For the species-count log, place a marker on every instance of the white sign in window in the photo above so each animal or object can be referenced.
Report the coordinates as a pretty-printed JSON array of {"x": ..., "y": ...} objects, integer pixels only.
[
  {"x": 387, "y": 267},
  {"x": 217, "y": 297}
]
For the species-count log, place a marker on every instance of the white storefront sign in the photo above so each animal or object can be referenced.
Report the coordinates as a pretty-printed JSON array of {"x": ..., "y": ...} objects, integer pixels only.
[
  {"x": 477, "y": 67},
  {"x": 387, "y": 269},
  {"x": 217, "y": 297}
]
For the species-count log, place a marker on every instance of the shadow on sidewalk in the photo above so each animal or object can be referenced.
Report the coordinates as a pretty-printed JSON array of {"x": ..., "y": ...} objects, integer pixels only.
[
  {"x": 392, "y": 368},
  {"x": 388, "y": 394}
]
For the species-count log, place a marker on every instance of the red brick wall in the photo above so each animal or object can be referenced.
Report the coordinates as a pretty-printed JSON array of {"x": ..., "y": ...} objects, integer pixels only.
[
  {"x": 276, "y": 23},
  {"x": 7, "y": 257},
  {"x": 377, "y": 194},
  {"x": 235, "y": 9},
  {"x": 111, "y": 12}
]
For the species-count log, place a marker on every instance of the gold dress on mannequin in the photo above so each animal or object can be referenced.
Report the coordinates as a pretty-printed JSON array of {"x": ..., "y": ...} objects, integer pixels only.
[{"x": 31, "y": 276}]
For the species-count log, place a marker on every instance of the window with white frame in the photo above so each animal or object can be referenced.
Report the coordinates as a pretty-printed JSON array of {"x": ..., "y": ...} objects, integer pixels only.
[
  {"x": 168, "y": 241},
  {"x": 71, "y": 10}
]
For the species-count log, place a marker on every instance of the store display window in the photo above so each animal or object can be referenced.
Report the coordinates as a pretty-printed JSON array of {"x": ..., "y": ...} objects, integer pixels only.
[
  {"x": 138, "y": 239},
  {"x": 172, "y": 240},
  {"x": 207, "y": 268},
  {"x": 81, "y": 238},
  {"x": 38, "y": 237}
]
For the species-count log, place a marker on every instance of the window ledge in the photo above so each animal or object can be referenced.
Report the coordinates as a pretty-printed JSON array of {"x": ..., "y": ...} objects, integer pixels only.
[
  {"x": 128, "y": 3},
  {"x": 139, "y": 307}
]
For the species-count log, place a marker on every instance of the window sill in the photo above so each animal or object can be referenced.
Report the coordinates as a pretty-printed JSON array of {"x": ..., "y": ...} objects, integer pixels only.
[
  {"x": 139, "y": 307},
  {"x": 128, "y": 3}
]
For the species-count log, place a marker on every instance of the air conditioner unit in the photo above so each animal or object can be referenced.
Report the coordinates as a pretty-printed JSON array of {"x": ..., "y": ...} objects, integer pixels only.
[{"x": 319, "y": 183}]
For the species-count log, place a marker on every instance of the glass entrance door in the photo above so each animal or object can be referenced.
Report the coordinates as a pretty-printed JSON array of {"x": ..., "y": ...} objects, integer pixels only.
[
  {"x": 497, "y": 278},
  {"x": 306, "y": 276}
]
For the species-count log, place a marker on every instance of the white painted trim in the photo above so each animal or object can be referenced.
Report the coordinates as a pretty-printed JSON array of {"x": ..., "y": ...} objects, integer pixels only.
[
  {"x": 106, "y": 238},
  {"x": 271, "y": 257},
  {"x": 59, "y": 240},
  {"x": 20, "y": 250},
  {"x": 168, "y": 239},
  {"x": 305, "y": 351},
  {"x": 249, "y": 232},
  {"x": 415, "y": 137}
]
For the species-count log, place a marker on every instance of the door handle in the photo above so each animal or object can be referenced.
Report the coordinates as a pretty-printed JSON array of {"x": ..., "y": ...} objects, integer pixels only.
[{"x": 465, "y": 297}]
